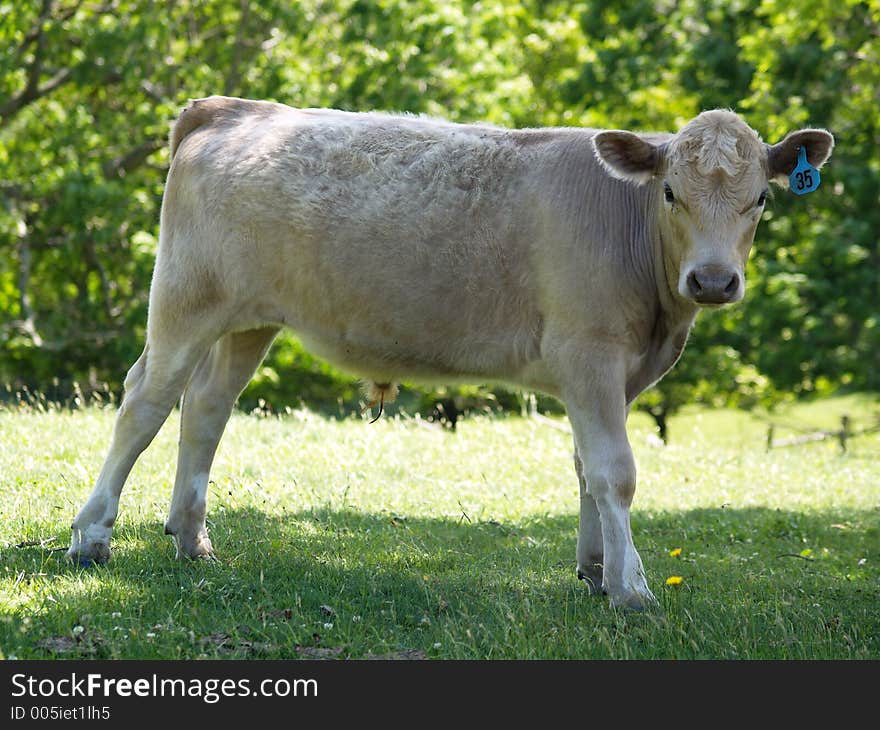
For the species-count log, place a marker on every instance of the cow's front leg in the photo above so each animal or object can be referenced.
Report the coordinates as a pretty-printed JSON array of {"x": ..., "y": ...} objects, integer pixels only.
[
  {"x": 597, "y": 410},
  {"x": 589, "y": 542}
]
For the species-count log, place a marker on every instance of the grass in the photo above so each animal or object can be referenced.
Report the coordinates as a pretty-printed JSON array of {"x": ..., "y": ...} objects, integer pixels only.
[{"x": 344, "y": 539}]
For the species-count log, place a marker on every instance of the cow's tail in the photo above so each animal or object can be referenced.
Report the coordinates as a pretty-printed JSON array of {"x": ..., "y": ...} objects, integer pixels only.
[{"x": 198, "y": 113}]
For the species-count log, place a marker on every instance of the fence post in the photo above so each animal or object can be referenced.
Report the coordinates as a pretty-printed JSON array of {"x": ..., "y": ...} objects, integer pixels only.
[
  {"x": 770, "y": 437},
  {"x": 844, "y": 432}
]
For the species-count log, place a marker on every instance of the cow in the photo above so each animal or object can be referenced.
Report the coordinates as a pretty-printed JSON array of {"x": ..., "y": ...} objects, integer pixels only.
[{"x": 569, "y": 261}]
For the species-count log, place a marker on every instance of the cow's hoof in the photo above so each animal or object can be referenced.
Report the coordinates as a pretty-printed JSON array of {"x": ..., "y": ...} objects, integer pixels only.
[
  {"x": 638, "y": 602},
  {"x": 207, "y": 556},
  {"x": 592, "y": 577},
  {"x": 90, "y": 554},
  {"x": 194, "y": 547}
]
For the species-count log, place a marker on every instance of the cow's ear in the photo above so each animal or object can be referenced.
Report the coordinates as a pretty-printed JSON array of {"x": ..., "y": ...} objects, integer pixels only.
[
  {"x": 783, "y": 156},
  {"x": 627, "y": 156}
]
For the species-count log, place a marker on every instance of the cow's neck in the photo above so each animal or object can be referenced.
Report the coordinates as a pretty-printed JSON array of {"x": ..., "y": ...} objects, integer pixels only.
[{"x": 673, "y": 318}]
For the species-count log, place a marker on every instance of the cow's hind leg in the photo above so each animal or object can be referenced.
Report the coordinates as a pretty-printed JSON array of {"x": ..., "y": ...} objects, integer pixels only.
[
  {"x": 152, "y": 387},
  {"x": 207, "y": 404},
  {"x": 589, "y": 542}
]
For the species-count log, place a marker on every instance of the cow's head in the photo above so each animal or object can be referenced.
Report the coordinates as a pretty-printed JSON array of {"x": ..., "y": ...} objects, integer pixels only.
[{"x": 710, "y": 183}]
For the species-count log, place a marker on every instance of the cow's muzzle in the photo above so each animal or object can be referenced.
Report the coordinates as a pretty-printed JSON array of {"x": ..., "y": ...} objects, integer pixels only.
[{"x": 714, "y": 284}]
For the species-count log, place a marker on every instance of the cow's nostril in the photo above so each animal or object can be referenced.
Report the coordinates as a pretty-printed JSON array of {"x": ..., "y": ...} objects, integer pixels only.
[
  {"x": 694, "y": 284},
  {"x": 732, "y": 285}
]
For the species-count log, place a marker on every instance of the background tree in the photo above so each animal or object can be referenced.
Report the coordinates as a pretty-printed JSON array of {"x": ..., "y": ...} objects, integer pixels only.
[{"x": 88, "y": 91}]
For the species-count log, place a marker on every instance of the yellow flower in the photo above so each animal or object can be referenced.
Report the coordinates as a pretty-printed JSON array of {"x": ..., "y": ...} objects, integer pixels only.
[
  {"x": 675, "y": 553},
  {"x": 674, "y": 580}
]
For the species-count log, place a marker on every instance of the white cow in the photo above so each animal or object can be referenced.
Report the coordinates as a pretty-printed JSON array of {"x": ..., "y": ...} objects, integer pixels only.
[{"x": 571, "y": 261}]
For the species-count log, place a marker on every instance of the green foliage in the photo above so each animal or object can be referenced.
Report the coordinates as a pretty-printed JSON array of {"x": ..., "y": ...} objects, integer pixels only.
[{"x": 88, "y": 91}]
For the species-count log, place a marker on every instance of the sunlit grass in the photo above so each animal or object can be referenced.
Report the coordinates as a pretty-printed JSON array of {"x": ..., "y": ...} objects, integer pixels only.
[{"x": 354, "y": 539}]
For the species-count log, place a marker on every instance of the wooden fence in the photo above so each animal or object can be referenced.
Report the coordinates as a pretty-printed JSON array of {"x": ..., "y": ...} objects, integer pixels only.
[{"x": 842, "y": 434}]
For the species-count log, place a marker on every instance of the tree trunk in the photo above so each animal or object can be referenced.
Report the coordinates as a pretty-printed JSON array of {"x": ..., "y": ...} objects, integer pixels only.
[{"x": 659, "y": 415}]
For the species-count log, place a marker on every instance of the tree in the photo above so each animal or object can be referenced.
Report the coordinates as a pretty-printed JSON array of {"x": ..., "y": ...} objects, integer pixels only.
[{"x": 88, "y": 91}]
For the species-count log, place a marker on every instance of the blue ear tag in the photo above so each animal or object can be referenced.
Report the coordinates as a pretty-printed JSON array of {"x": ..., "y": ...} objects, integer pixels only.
[{"x": 804, "y": 178}]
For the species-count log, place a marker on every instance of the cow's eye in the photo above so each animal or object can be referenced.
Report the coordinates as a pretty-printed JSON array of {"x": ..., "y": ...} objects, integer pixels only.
[
  {"x": 667, "y": 193},
  {"x": 762, "y": 198}
]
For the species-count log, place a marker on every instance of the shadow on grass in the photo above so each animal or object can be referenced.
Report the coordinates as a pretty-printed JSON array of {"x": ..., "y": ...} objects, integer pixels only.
[{"x": 367, "y": 583}]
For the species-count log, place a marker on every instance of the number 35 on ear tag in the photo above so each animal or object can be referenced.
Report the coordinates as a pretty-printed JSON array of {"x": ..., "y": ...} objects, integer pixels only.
[{"x": 804, "y": 178}]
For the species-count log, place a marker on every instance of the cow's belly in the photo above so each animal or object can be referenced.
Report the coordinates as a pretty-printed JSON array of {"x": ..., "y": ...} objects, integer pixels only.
[
  {"x": 420, "y": 354},
  {"x": 374, "y": 364},
  {"x": 380, "y": 363}
]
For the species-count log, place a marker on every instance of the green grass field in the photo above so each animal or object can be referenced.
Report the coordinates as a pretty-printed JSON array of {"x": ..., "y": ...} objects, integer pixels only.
[{"x": 398, "y": 539}]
